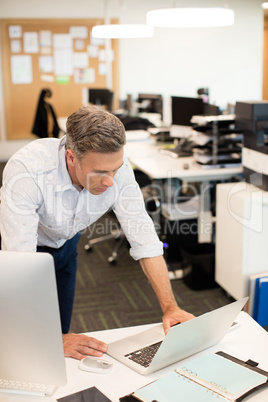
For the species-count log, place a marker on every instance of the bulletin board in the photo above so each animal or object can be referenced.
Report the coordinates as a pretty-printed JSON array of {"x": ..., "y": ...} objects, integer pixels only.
[{"x": 58, "y": 54}]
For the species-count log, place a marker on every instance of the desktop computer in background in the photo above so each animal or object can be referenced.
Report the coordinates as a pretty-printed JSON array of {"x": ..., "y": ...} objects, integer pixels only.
[
  {"x": 101, "y": 97},
  {"x": 150, "y": 103},
  {"x": 252, "y": 119},
  {"x": 183, "y": 108}
]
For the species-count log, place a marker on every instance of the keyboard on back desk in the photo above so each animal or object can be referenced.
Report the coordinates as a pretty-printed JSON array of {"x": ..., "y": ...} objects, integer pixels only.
[{"x": 145, "y": 355}]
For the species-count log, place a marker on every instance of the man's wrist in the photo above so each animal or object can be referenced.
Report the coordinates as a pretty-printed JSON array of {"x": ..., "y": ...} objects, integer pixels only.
[{"x": 172, "y": 306}]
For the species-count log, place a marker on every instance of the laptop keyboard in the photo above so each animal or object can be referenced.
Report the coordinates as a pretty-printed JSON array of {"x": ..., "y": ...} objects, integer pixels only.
[
  {"x": 28, "y": 388},
  {"x": 144, "y": 356}
]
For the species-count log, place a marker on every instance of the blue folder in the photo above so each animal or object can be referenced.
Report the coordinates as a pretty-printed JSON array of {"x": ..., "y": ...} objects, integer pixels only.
[{"x": 260, "y": 312}]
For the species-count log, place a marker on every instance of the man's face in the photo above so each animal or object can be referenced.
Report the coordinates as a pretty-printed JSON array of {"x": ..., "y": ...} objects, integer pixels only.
[{"x": 95, "y": 171}]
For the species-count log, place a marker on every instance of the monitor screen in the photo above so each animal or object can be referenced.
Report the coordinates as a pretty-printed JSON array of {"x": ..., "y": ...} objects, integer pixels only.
[
  {"x": 211, "y": 110},
  {"x": 182, "y": 109},
  {"x": 152, "y": 103},
  {"x": 101, "y": 97}
]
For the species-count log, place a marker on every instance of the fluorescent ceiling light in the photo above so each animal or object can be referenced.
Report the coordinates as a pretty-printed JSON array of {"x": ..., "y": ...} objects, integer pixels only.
[
  {"x": 117, "y": 31},
  {"x": 190, "y": 17},
  {"x": 265, "y": 6}
]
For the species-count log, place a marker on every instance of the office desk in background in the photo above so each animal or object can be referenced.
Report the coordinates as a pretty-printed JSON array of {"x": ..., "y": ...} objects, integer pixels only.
[
  {"x": 246, "y": 341},
  {"x": 145, "y": 155},
  {"x": 143, "y": 152}
]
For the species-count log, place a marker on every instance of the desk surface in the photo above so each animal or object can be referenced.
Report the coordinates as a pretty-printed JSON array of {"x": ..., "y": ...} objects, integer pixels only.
[
  {"x": 246, "y": 341},
  {"x": 145, "y": 156}
]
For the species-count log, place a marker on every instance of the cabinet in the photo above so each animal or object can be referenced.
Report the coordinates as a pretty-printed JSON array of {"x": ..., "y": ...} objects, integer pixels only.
[{"x": 241, "y": 236}]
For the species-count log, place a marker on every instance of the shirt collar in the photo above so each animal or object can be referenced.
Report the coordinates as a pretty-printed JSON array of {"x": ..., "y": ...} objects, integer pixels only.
[{"x": 64, "y": 181}]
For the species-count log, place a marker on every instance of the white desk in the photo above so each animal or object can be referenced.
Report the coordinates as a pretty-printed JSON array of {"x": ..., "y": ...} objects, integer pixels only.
[
  {"x": 246, "y": 341},
  {"x": 145, "y": 156}
]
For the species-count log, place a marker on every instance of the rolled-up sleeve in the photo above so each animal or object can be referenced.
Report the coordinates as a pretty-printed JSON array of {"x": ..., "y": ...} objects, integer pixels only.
[{"x": 135, "y": 221}]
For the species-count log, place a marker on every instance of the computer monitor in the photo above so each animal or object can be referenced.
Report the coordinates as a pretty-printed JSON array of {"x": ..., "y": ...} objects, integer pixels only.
[
  {"x": 151, "y": 103},
  {"x": 101, "y": 97},
  {"x": 211, "y": 110},
  {"x": 31, "y": 347},
  {"x": 182, "y": 110}
]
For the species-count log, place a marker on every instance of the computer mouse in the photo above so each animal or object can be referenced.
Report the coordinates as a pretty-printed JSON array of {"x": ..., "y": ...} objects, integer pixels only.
[{"x": 95, "y": 365}]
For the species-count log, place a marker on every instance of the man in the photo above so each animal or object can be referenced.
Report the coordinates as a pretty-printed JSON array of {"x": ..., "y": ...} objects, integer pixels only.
[{"x": 54, "y": 188}]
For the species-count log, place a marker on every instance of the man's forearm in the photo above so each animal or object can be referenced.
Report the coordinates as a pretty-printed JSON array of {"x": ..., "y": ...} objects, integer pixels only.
[{"x": 156, "y": 271}]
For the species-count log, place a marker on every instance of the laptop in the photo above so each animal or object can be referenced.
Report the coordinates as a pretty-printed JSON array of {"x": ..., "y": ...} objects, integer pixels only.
[
  {"x": 31, "y": 347},
  {"x": 181, "y": 341}
]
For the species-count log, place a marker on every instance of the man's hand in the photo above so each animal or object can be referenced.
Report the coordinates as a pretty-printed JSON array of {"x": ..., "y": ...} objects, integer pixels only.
[
  {"x": 80, "y": 346},
  {"x": 174, "y": 316}
]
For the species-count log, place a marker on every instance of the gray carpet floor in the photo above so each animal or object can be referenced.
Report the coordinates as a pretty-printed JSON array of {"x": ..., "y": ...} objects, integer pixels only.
[{"x": 111, "y": 296}]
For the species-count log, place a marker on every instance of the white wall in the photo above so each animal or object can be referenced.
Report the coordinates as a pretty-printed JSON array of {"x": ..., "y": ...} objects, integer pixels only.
[{"x": 228, "y": 60}]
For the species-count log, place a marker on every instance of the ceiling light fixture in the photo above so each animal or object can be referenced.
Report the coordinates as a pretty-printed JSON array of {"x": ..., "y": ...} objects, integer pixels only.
[
  {"x": 190, "y": 17},
  {"x": 117, "y": 31}
]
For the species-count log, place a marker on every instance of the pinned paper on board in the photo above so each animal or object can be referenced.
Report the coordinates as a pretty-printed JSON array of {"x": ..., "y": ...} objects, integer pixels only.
[
  {"x": 63, "y": 62},
  {"x": 79, "y": 44},
  {"x": 30, "y": 42},
  {"x": 46, "y": 64},
  {"x": 62, "y": 41},
  {"x": 45, "y": 38},
  {"x": 102, "y": 69},
  {"x": 15, "y": 31},
  {"x": 79, "y": 32},
  {"x": 45, "y": 50},
  {"x": 21, "y": 70},
  {"x": 92, "y": 50},
  {"x": 15, "y": 46},
  {"x": 81, "y": 60},
  {"x": 105, "y": 55},
  {"x": 62, "y": 79},
  {"x": 47, "y": 78},
  {"x": 84, "y": 75}
]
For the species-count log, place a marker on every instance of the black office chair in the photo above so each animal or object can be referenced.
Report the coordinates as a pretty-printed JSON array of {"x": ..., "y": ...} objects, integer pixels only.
[{"x": 152, "y": 205}]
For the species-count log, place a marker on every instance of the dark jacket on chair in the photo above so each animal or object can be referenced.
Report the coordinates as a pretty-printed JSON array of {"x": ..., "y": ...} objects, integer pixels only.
[{"x": 45, "y": 123}]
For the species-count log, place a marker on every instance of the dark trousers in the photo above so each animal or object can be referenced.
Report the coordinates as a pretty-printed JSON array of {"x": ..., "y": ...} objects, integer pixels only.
[{"x": 65, "y": 260}]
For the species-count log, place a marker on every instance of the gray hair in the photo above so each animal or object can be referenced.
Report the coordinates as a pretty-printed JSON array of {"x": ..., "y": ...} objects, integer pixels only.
[{"x": 91, "y": 128}]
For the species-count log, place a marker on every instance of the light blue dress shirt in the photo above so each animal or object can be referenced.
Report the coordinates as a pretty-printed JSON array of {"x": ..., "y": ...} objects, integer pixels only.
[{"x": 40, "y": 206}]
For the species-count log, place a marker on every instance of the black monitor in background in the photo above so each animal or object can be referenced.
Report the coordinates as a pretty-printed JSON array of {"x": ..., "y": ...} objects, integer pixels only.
[
  {"x": 152, "y": 103},
  {"x": 183, "y": 108},
  {"x": 101, "y": 97},
  {"x": 211, "y": 110}
]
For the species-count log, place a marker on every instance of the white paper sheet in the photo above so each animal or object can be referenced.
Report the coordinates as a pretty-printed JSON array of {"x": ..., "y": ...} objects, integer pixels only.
[
  {"x": 102, "y": 69},
  {"x": 79, "y": 32},
  {"x": 81, "y": 60},
  {"x": 45, "y": 38},
  {"x": 92, "y": 50},
  {"x": 106, "y": 56},
  {"x": 30, "y": 42},
  {"x": 14, "y": 31},
  {"x": 21, "y": 69},
  {"x": 84, "y": 76},
  {"x": 63, "y": 62},
  {"x": 15, "y": 46},
  {"x": 62, "y": 41},
  {"x": 46, "y": 64}
]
